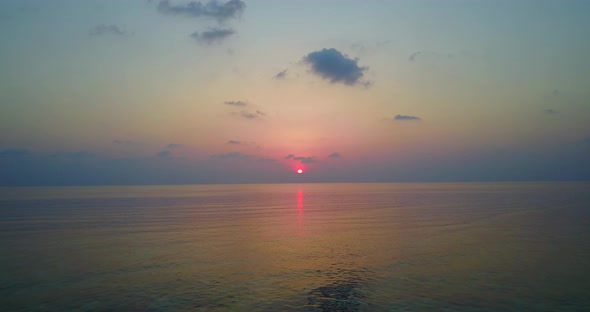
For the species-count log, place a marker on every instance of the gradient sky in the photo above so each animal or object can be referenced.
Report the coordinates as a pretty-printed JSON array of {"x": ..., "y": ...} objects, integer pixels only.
[{"x": 158, "y": 92}]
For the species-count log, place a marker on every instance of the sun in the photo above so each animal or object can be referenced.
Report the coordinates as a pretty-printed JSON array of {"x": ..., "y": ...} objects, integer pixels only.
[{"x": 299, "y": 171}]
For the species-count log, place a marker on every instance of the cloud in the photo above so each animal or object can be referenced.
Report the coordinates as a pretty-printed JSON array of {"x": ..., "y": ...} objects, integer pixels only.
[
  {"x": 174, "y": 145},
  {"x": 164, "y": 153},
  {"x": 249, "y": 115},
  {"x": 335, "y": 155},
  {"x": 336, "y": 67},
  {"x": 235, "y": 103},
  {"x": 14, "y": 152},
  {"x": 213, "y": 35},
  {"x": 213, "y": 9},
  {"x": 414, "y": 55},
  {"x": 101, "y": 30},
  {"x": 289, "y": 156},
  {"x": 233, "y": 142},
  {"x": 550, "y": 111},
  {"x": 305, "y": 160},
  {"x": 280, "y": 75},
  {"x": 405, "y": 117},
  {"x": 230, "y": 155}
]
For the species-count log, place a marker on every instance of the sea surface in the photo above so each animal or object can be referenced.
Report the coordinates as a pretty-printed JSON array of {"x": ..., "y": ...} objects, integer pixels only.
[{"x": 297, "y": 247}]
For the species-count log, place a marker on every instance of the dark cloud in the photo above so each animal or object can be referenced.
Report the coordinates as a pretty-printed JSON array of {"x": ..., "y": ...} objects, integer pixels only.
[
  {"x": 174, "y": 145},
  {"x": 405, "y": 117},
  {"x": 305, "y": 160},
  {"x": 164, "y": 153},
  {"x": 235, "y": 103},
  {"x": 281, "y": 75},
  {"x": 551, "y": 111},
  {"x": 331, "y": 64},
  {"x": 289, "y": 156},
  {"x": 107, "y": 30},
  {"x": 213, "y": 35},
  {"x": 212, "y": 9},
  {"x": 230, "y": 155},
  {"x": 233, "y": 142},
  {"x": 14, "y": 152},
  {"x": 414, "y": 55},
  {"x": 335, "y": 155}
]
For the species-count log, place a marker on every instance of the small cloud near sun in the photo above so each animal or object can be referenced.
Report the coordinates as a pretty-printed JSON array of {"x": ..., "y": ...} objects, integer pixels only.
[
  {"x": 289, "y": 156},
  {"x": 335, "y": 155}
]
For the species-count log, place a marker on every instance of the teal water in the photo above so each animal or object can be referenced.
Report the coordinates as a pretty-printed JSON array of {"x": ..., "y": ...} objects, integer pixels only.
[{"x": 297, "y": 247}]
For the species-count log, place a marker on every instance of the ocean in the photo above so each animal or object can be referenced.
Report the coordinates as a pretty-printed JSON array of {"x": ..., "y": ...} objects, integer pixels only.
[{"x": 297, "y": 247}]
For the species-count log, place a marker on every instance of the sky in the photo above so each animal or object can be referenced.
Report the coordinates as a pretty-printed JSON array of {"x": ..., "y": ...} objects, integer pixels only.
[{"x": 249, "y": 91}]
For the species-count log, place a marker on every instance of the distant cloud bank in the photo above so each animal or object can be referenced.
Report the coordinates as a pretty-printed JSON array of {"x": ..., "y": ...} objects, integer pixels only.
[{"x": 336, "y": 67}]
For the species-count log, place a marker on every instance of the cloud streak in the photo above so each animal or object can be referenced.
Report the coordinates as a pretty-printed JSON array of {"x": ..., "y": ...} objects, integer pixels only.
[
  {"x": 405, "y": 117},
  {"x": 332, "y": 65},
  {"x": 213, "y": 35},
  {"x": 212, "y": 9},
  {"x": 251, "y": 115},
  {"x": 235, "y": 103},
  {"x": 101, "y": 30},
  {"x": 305, "y": 160},
  {"x": 335, "y": 155}
]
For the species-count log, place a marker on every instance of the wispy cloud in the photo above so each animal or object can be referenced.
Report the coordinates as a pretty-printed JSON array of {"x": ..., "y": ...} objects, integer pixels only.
[
  {"x": 212, "y": 9},
  {"x": 213, "y": 35},
  {"x": 405, "y": 117},
  {"x": 289, "y": 156},
  {"x": 280, "y": 75},
  {"x": 164, "y": 153},
  {"x": 101, "y": 30},
  {"x": 336, "y": 67},
  {"x": 335, "y": 155},
  {"x": 305, "y": 160},
  {"x": 414, "y": 55},
  {"x": 251, "y": 115},
  {"x": 233, "y": 142},
  {"x": 174, "y": 145},
  {"x": 235, "y": 103},
  {"x": 551, "y": 111}
]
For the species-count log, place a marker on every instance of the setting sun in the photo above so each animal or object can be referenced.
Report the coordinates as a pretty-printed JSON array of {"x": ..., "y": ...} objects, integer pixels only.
[{"x": 300, "y": 171}]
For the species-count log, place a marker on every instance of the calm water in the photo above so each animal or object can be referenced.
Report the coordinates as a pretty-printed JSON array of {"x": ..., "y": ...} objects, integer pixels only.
[{"x": 308, "y": 247}]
